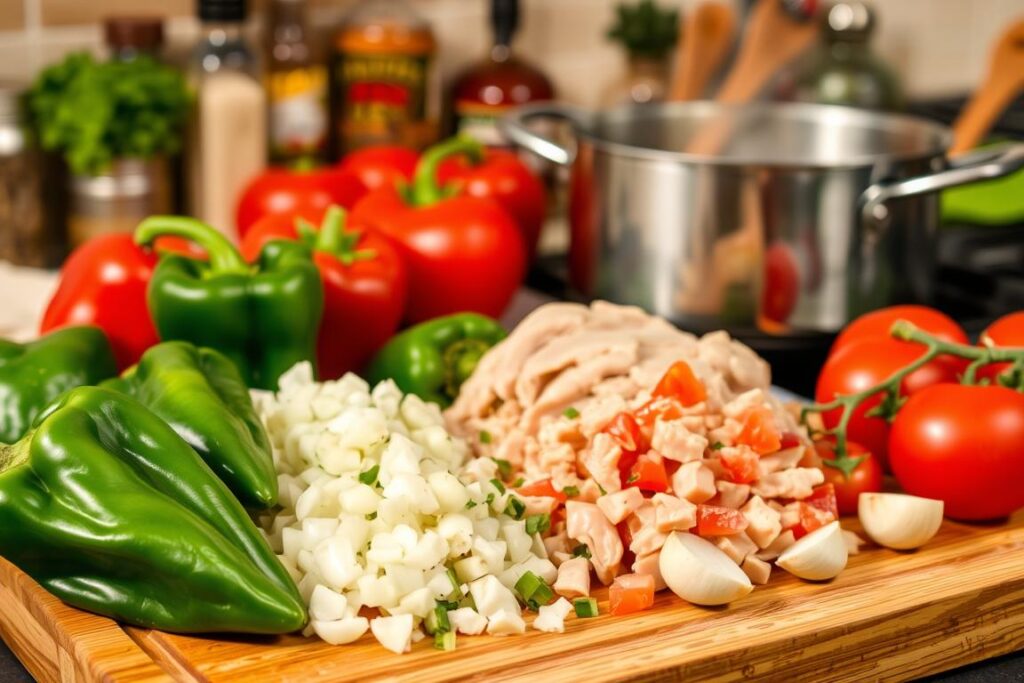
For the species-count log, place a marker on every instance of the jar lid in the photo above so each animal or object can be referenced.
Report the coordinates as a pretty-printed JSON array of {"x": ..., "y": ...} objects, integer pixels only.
[
  {"x": 849, "y": 20},
  {"x": 141, "y": 33},
  {"x": 222, "y": 10}
]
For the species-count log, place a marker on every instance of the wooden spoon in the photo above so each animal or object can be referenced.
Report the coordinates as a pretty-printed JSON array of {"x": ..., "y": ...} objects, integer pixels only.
[
  {"x": 1005, "y": 79},
  {"x": 773, "y": 37},
  {"x": 706, "y": 34}
]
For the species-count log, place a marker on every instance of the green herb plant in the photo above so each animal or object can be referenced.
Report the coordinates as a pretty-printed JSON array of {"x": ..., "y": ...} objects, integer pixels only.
[{"x": 645, "y": 29}]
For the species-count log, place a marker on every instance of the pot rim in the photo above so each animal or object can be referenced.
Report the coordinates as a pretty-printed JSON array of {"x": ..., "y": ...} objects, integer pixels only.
[{"x": 941, "y": 134}]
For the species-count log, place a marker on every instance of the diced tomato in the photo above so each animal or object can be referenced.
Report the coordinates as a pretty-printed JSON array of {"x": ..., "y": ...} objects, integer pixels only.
[
  {"x": 661, "y": 408},
  {"x": 759, "y": 431},
  {"x": 631, "y": 593},
  {"x": 817, "y": 510},
  {"x": 789, "y": 440},
  {"x": 544, "y": 487},
  {"x": 627, "y": 434},
  {"x": 740, "y": 464},
  {"x": 680, "y": 383},
  {"x": 648, "y": 473},
  {"x": 713, "y": 520}
]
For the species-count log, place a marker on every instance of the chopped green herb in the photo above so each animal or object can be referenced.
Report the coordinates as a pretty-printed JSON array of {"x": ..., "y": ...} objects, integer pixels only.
[
  {"x": 571, "y": 413},
  {"x": 449, "y": 604},
  {"x": 515, "y": 508},
  {"x": 369, "y": 476},
  {"x": 489, "y": 499},
  {"x": 601, "y": 489},
  {"x": 456, "y": 588},
  {"x": 542, "y": 596},
  {"x": 504, "y": 466},
  {"x": 444, "y": 641},
  {"x": 571, "y": 491},
  {"x": 581, "y": 551},
  {"x": 498, "y": 485},
  {"x": 437, "y": 620},
  {"x": 518, "y": 482},
  {"x": 585, "y": 607},
  {"x": 470, "y": 504},
  {"x": 533, "y": 591},
  {"x": 372, "y": 516},
  {"x": 485, "y": 436},
  {"x": 717, "y": 446},
  {"x": 633, "y": 478},
  {"x": 538, "y": 524}
]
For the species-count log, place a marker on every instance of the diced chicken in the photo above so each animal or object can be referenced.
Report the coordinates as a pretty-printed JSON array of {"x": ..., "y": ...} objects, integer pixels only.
[
  {"x": 732, "y": 495},
  {"x": 764, "y": 524},
  {"x": 557, "y": 462},
  {"x": 587, "y": 524},
  {"x": 694, "y": 482},
  {"x": 853, "y": 542},
  {"x": 539, "y": 505},
  {"x": 643, "y": 528},
  {"x": 781, "y": 542},
  {"x": 675, "y": 442},
  {"x": 790, "y": 515},
  {"x": 780, "y": 460},
  {"x": 716, "y": 467},
  {"x": 795, "y": 483},
  {"x": 756, "y": 570},
  {"x": 743, "y": 404},
  {"x": 573, "y": 578},
  {"x": 621, "y": 504},
  {"x": 650, "y": 564},
  {"x": 557, "y": 544},
  {"x": 551, "y": 361},
  {"x": 601, "y": 462},
  {"x": 736, "y": 546},
  {"x": 597, "y": 413},
  {"x": 672, "y": 513},
  {"x": 725, "y": 433}
]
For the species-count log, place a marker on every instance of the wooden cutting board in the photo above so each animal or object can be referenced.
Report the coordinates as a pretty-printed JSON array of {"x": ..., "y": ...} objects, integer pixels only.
[{"x": 889, "y": 616}]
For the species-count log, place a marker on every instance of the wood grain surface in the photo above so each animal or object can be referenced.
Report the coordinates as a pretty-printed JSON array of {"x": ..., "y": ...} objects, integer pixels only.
[{"x": 889, "y": 616}]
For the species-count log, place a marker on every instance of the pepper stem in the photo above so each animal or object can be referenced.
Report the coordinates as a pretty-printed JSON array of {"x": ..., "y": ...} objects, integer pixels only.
[
  {"x": 224, "y": 257},
  {"x": 332, "y": 230},
  {"x": 12, "y": 455},
  {"x": 425, "y": 189},
  {"x": 460, "y": 359},
  {"x": 332, "y": 237}
]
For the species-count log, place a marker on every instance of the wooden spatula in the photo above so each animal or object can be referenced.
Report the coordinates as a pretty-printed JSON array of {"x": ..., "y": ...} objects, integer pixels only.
[
  {"x": 773, "y": 37},
  {"x": 1003, "y": 82},
  {"x": 706, "y": 34}
]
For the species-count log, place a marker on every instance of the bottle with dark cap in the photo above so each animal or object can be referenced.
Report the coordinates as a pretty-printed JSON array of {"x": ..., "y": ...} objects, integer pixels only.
[
  {"x": 127, "y": 37},
  {"x": 228, "y": 140},
  {"x": 501, "y": 81}
]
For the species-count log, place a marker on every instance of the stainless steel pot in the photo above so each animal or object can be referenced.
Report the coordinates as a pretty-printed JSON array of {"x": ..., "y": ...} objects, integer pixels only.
[{"x": 768, "y": 218}]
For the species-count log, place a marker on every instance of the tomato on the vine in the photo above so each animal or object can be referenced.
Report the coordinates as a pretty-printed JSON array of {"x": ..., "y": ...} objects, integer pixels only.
[
  {"x": 1008, "y": 331},
  {"x": 863, "y": 364},
  {"x": 866, "y": 477},
  {"x": 962, "y": 445},
  {"x": 876, "y": 325}
]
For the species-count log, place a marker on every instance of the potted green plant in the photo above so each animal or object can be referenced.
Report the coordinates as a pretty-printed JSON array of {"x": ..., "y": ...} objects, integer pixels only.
[
  {"x": 648, "y": 33},
  {"x": 115, "y": 124}
]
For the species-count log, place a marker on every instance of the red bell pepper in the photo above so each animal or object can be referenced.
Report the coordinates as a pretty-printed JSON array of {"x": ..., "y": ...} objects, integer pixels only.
[
  {"x": 364, "y": 285},
  {"x": 306, "y": 193},
  {"x": 463, "y": 253},
  {"x": 103, "y": 283},
  {"x": 501, "y": 175},
  {"x": 381, "y": 165}
]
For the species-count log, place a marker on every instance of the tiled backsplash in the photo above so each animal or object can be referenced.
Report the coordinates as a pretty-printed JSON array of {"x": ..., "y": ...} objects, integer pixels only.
[{"x": 938, "y": 46}]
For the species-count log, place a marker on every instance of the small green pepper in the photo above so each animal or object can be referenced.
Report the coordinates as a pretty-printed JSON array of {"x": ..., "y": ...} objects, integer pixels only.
[{"x": 434, "y": 358}]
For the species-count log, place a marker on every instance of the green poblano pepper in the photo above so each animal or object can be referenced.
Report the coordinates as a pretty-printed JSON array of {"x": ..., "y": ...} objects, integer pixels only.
[
  {"x": 200, "y": 393},
  {"x": 106, "y": 507},
  {"x": 34, "y": 374}
]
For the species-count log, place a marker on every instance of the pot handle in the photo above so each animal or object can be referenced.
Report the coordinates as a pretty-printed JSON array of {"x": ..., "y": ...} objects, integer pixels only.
[
  {"x": 514, "y": 125},
  {"x": 987, "y": 164}
]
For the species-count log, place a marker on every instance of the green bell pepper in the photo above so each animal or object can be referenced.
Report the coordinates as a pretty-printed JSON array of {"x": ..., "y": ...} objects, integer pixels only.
[
  {"x": 434, "y": 358},
  {"x": 263, "y": 317},
  {"x": 111, "y": 511},
  {"x": 199, "y": 392},
  {"x": 33, "y": 374}
]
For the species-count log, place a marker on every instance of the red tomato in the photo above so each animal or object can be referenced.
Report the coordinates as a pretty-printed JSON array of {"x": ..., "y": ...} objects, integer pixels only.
[
  {"x": 302, "y": 193},
  {"x": 759, "y": 431},
  {"x": 360, "y": 293},
  {"x": 625, "y": 431},
  {"x": 962, "y": 445},
  {"x": 865, "y": 478},
  {"x": 631, "y": 593},
  {"x": 680, "y": 383},
  {"x": 713, "y": 520},
  {"x": 544, "y": 487},
  {"x": 1008, "y": 331},
  {"x": 381, "y": 165},
  {"x": 658, "y": 409},
  {"x": 858, "y": 366},
  {"x": 876, "y": 325},
  {"x": 740, "y": 463},
  {"x": 648, "y": 473},
  {"x": 781, "y": 283}
]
